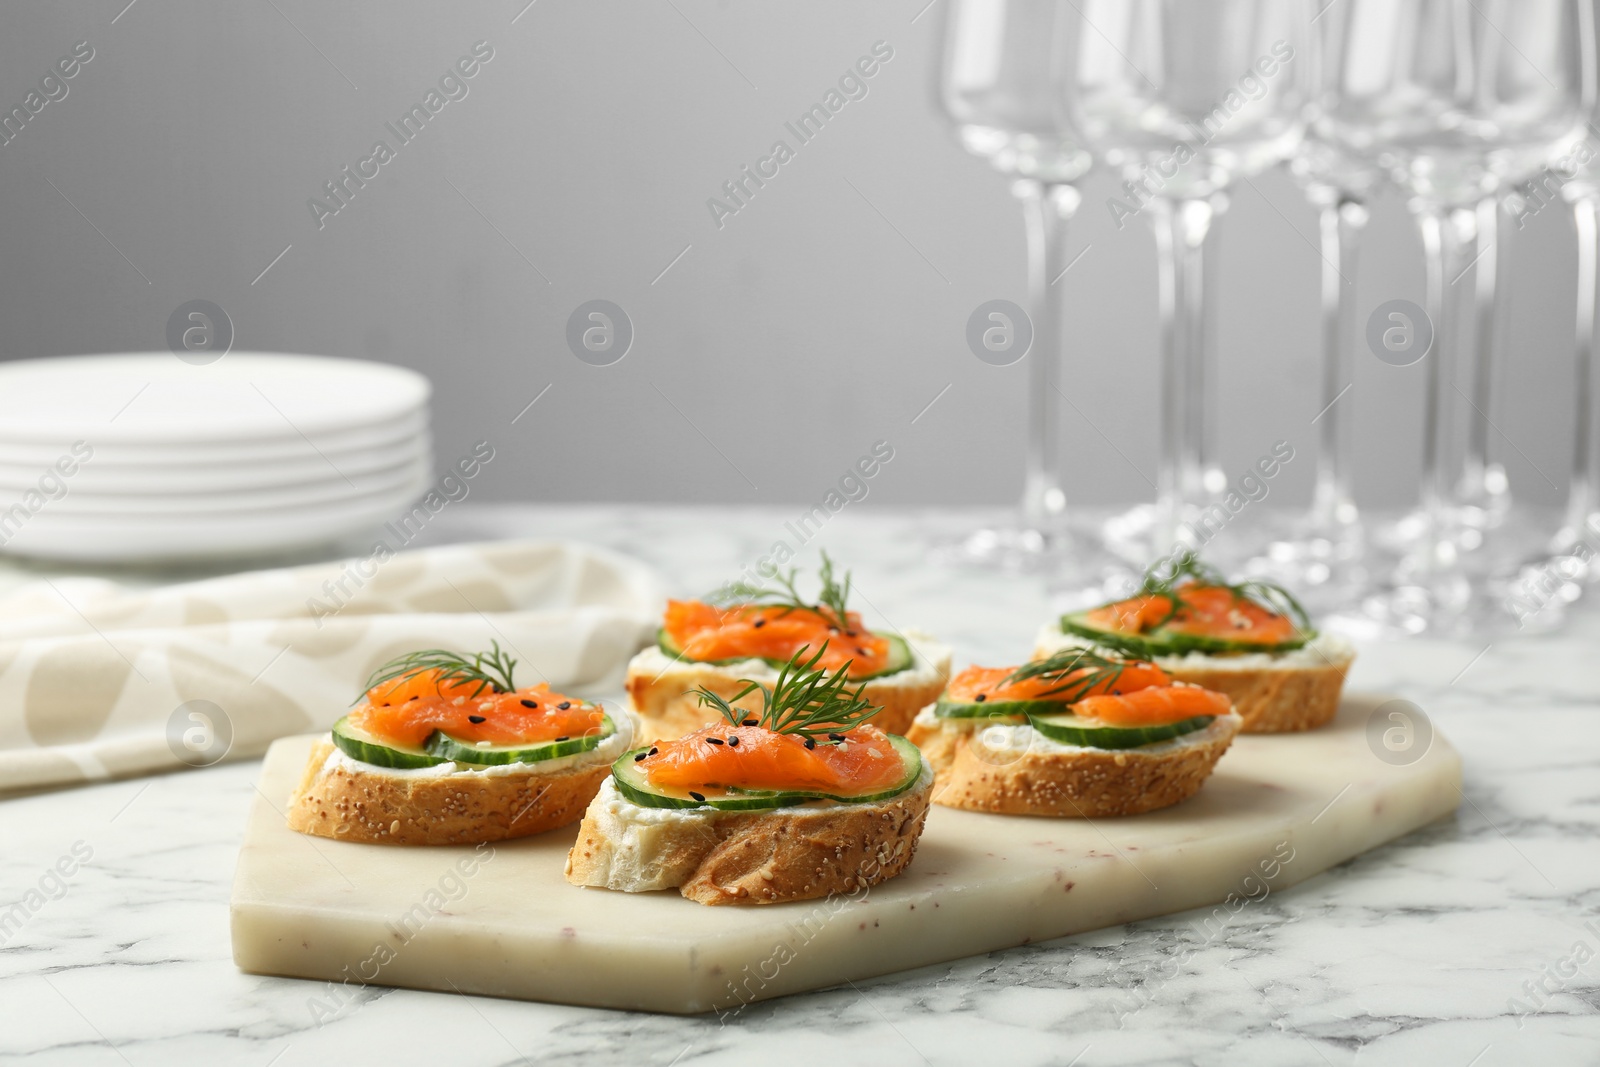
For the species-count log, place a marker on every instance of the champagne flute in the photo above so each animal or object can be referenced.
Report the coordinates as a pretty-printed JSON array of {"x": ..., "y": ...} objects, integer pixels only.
[
  {"x": 1006, "y": 81},
  {"x": 1321, "y": 552},
  {"x": 1455, "y": 101},
  {"x": 1185, "y": 97}
]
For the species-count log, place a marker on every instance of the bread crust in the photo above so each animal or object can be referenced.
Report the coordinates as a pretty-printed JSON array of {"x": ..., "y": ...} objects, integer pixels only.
[
  {"x": 1081, "y": 784},
  {"x": 766, "y": 857},
  {"x": 664, "y": 701},
  {"x": 350, "y": 804},
  {"x": 1275, "y": 700}
]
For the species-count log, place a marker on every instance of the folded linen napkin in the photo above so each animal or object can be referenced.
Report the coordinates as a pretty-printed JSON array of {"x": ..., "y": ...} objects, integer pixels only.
[{"x": 99, "y": 681}]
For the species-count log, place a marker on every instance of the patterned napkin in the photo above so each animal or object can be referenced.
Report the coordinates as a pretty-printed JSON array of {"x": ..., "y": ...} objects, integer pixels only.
[{"x": 98, "y": 680}]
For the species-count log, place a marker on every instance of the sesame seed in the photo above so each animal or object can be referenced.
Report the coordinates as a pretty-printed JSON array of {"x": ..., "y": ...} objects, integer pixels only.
[
  {"x": 698, "y": 796},
  {"x": 760, "y": 623},
  {"x": 751, "y": 722},
  {"x": 476, "y": 718},
  {"x": 564, "y": 705},
  {"x": 981, "y": 697},
  {"x": 733, "y": 742},
  {"x": 567, "y": 738},
  {"x": 530, "y": 703},
  {"x": 713, "y": 740},
  {"x": 654, "y": 750},
  {"x": 640, "y": 756},
  {"x": 811, "y": 742},
  {"x": 836, "y": 737}
]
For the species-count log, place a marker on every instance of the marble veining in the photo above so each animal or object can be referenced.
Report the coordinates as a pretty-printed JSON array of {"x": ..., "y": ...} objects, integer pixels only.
[{"x": 1457, "y": 945}]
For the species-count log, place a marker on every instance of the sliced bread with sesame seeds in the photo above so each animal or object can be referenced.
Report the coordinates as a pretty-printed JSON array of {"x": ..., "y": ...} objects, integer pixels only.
[
  {"x": 1012, "y": 769},
  {"x": 747, "y": 857},
  {"x": 450, "y": 803}
]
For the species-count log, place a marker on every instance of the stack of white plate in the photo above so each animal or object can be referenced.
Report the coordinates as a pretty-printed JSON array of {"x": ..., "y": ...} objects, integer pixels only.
[{"x": 145, "y": 458}]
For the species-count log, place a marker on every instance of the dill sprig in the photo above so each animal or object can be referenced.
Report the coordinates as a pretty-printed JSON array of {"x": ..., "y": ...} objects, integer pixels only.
[
  {"x": 492, "y": 670},
  {"x": 832, "y": 597},
  {"x": 1188, "y": 568},
  {"x": 1080, "y": 672},
  {"x": 805, "y": 699}
]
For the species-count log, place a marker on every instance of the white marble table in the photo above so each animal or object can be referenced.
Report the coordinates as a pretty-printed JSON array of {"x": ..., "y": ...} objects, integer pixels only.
[{"x": 1416, "y": 953}]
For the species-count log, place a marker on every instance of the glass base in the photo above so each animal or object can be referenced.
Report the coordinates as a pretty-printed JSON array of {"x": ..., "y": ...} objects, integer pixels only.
[
  {"x": 1073, "y": 563},
  {"x": 1322, "y": 558},
  {"x": 1514, "y": 578}
]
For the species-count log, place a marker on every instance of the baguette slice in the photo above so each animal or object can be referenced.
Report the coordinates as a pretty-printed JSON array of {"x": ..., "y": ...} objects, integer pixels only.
[
  {"x": 1273, "y": 692},
  {"x": 660, "y": 688},
  {"x": 1016, "y": 771},
  {"x": 345, "y": 800},
  {"x": 742, "y": 857}
]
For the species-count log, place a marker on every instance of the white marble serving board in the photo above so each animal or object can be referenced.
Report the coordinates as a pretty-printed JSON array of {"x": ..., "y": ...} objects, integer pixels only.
[{"x": 504, "y": 922}]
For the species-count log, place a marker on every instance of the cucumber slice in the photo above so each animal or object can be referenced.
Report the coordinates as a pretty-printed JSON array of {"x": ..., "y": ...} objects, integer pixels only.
[
  {"x": 945, "y": 708},
  {"x": 364, "y": 747},
  {"x": 1071, "y": 730},
  {"x": 633, "y": 782},
  {"x": 900, "y": 658},
  {"x": 446, "y": 747},
  {"x": 1159, "y": 642}
]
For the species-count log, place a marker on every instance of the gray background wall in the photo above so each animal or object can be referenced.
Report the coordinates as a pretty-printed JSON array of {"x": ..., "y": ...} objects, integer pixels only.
[{"x": 824, "y": 316}]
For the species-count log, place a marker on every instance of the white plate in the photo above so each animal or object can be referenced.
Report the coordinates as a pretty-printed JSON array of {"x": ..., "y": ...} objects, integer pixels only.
[
  {"x": 216, "y": 453},
  {"x": 47, "y": 537},
  {"x": 311, "y": 470},
  {"x": 114, "y": 509},
  {"x": 151, "y": 397}
]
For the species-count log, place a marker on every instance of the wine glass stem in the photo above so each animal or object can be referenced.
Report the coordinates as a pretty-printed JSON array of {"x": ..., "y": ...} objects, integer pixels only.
[
  {"x": 1047, "y": 209},
  {"x": 1449, "y": 239},
  {"x": 1488, "y": 318},
  {"x": 1584, "y": 492},
  {"x": 1180, "y": 228},
  {"x": 1342, "y": 221}
]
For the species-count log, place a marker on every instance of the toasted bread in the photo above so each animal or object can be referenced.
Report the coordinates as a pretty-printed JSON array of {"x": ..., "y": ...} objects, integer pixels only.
[
  {"x": 1017, "y": 771},
  {"x": 346, "y": 800},
  {"x": 747, "y": 857}
]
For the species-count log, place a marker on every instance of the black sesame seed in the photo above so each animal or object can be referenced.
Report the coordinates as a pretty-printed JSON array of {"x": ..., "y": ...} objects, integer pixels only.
[
  {"x": 836, "y": 737},
  {"x": 811, "y": 742},
  {"x": 564, "y": 739},
  {"x": 713, "y": 740},
  {"x": 759, "y": 623},
  {"x": 475, "y": 718},
  {"x": 733, "y": 742},
  {"x": 700, "y": 797},
  {"x": 849, "y": 633},
  {"x": 751, "y": 722},
  {"x": 564, "y": 705},
  {"x": 654, "y": 750},
  {"x": 981, "y": 697},
  {"x": 409, "y": 699},
  {"x": 640, "y": 756},
  {"x": 530, "y": 703}
]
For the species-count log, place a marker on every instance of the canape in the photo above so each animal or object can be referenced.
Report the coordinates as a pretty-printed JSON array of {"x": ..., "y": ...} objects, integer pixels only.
[
  {"x": 1251, "y": 640},
  {"x": 446, "y": 750},
  {"x": 1080, "y": 733},
  {"x": 797, "y": 798},
  {"x": 746, "y": 633}
]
